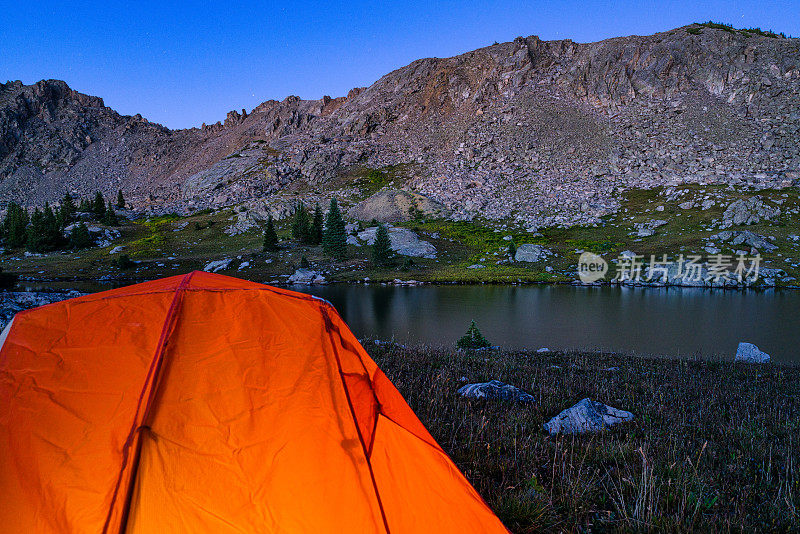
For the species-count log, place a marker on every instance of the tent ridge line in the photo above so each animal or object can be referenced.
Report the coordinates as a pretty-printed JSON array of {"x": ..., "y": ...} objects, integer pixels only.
[
  {"x": 330, "y": 327},
  {"x": 151, "y": 382}
]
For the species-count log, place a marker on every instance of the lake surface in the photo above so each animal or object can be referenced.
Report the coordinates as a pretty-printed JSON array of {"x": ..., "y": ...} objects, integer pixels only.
[
  {"x": 681, "y": 322},
  {"x": 685, "y": 322}
]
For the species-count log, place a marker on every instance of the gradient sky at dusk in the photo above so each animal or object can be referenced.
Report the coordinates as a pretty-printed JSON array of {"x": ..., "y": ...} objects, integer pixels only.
[{"x": 182, "y": 65}]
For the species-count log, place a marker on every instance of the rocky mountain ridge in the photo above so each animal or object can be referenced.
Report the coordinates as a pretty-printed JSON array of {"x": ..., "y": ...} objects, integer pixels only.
[{"x": 544, "y": 132}]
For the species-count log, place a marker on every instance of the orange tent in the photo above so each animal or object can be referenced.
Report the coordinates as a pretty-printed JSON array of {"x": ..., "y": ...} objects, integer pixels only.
[{"x": 203, "y": 403}]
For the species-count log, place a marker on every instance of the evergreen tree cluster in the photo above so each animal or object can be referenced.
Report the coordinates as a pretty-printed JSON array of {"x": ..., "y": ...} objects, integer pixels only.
[
  {"x": 313, "y": 230},
  {"x": 43, "y": 230},
  {"x": 307, "y": 229}
]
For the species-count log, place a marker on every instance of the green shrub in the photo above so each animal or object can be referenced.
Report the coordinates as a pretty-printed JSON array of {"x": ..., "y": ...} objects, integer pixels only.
[
  {"x": 79, "y": 237},
  {"x": 473, "y": 339},
  {"x": 124, "y": 262}
]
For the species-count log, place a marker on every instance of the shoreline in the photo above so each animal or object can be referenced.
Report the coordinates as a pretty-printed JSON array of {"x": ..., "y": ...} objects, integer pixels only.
[{"x": 121, "y": 281}]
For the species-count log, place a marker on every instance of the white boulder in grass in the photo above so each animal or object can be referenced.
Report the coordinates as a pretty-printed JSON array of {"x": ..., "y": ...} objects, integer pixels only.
[
  {"x": 494, "y": 389},
  {"x": 217, "y": 265},
  {"x": 747, "y": 352},
  {"x": 586, "y": 416}
]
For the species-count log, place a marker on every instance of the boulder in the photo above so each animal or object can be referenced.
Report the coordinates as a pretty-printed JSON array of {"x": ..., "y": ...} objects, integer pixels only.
[
  {"x": 647, "y": 228},
  {"x": 403, "y": 241},
  {"x": 746, "y": 237},
  {"x": 748, "y": 211},
  {"x": 747, "y": 352},
  {"x": 586, "y": 416},
  {"x": 393, "y": 205},
  {"x": 306, "y": 277},
  {"x": 531, "y": 253},
  {"x": 217, "y": 265},
  {"x": 494, "y": 389}
]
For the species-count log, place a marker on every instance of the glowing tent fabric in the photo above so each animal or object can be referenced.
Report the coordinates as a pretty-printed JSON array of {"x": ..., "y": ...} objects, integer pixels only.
[{"x": 203, "y": 403}]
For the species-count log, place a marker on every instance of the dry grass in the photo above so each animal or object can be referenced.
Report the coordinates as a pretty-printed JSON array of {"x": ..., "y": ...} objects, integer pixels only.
[{"x": 714, "y": 446}]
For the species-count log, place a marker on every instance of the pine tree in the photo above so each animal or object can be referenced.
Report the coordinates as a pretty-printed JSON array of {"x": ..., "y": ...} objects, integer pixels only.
[
  {"x": 52, "y": 230},
  {"x": 382, "y": 248},
  {"x": 473, "y": 339},
  {"x": 99, "y": 206},
  {"x": 317, "y": 226},
  {"x": 85, "y": 206},
  {"x": 35, "y": 231},
  {"x": 512, "y": 250},
  {"x": 120, "y": 200},
  {"x": 15, "y": 225},
  {"x": 301, "y": 224},
  {"x": 66, "y": 211},
  {"x": 79, "y": 237},
  {"x": 334, "y": 240},
  {"x": 109, "y": 217},
  {"x": 270, "y": 237}
]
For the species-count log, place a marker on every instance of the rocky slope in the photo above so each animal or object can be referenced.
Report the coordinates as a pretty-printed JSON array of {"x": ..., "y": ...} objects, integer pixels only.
[{"x": 545, "y": 132}]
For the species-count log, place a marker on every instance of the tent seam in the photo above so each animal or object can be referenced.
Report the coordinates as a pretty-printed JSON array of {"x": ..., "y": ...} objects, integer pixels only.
[
  {"x": 153, "y": 376},
  {"x": 329, "y": 324}
]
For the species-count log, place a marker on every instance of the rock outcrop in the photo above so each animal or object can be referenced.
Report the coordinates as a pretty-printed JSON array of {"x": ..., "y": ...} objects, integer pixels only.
[
  {"x": 306, "y": 277},
  {"x": 748, "y": 211},
  {"x": 544, "y": 132},
  {"x": 531, "y": 253},
  {"x": 403, "y": 241},
  {"x": 393, "y": 206}
]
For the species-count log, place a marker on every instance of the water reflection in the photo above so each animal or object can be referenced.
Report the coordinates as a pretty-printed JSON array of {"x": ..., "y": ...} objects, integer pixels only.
[{"x": 675, "y": 321}]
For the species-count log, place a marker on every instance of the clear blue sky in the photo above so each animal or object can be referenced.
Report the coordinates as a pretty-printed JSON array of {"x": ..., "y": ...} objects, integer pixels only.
[{"x": 184, "y": 64}]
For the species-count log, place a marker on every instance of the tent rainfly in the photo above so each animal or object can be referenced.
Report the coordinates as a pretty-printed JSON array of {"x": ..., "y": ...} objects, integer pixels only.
[{"x": 204, "y": 403}]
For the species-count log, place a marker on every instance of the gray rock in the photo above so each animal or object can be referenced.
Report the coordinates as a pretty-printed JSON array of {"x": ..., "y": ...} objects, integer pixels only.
[
  {"x": 586, "y": 416},
  {"x": 531, "y": 253},
  {"x": 494, "y": 390},
  {"x": 476, "y": 266},
  {"x": 254, "y": 214},
  {"x": 746, "y": 237},
  {"x": 403, "y": 241},
  {"x": 647, "y": 228},
  {"x": 306, "y": 277},
  {"x": 749, "y": 211},
  {"x": 393, "y": 205},
  {"x": 217, "y": 265},
  {"x": 747, "y": 352}
]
